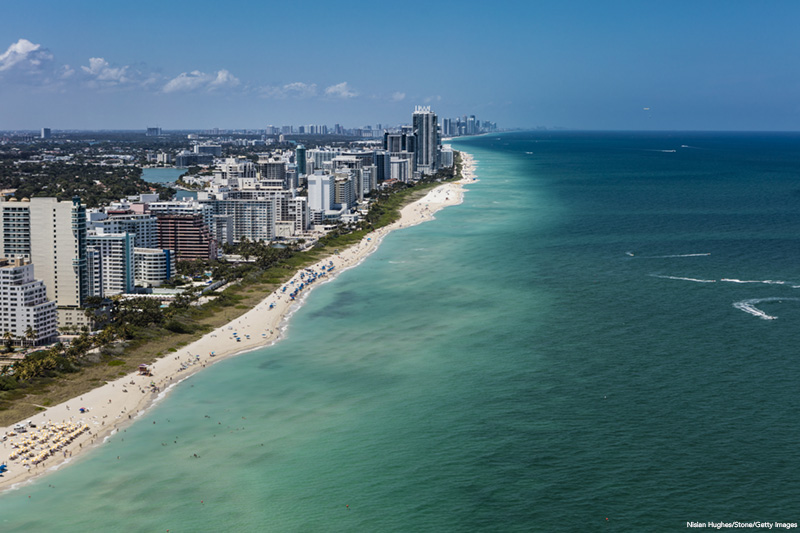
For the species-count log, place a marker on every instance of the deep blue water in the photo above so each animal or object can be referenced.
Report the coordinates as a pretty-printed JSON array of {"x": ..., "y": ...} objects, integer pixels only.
[{"x": 602, "y": 337}]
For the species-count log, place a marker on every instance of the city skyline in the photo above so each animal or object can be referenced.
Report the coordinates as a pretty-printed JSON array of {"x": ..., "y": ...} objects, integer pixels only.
[{"x": 580, "y": 65}]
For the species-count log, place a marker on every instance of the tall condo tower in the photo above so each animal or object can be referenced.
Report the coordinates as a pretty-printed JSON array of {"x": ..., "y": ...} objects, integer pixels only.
[
  {"x": 300, "y": 159},
  {"x": 426, "y": 134},
  {"x": 58, "y": 251}
]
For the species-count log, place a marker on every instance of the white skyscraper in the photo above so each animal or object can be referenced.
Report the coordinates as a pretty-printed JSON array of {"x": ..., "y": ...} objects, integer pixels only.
[{"x": 320, "y": 192}]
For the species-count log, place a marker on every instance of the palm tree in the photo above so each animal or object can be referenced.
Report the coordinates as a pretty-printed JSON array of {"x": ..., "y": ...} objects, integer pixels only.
[
  {"x": 104, "y": 338},
  {"x": 30, "y": 334},
  {"x": 9, "y": 339}
]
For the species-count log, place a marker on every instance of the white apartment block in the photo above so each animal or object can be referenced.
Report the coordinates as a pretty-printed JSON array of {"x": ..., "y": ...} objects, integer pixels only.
[
  {"x": 152, "y": 266},
  {"x": 15, "y": 237},
  {"x": 298, "y": 214},
  {"x": 320, "y": 192},
  {"x": 401, "y": 169},
  {"x": 143, "y": 227},
  {"x": 24, "y": 303},
  {"x": 446, "y": 156},
  {"x": 235, "y": 172},
  {"x": 251, "y": 218},
  {"x": 111, "y": 264},
  {"x": 315, "y": 159}
]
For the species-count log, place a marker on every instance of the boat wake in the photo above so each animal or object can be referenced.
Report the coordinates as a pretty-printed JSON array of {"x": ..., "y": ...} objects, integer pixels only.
[
  {"x": 685, "y": 279},
  {"x": 749, "y": 306},
  {"x": 670, "y": 256},
  {"x": 765, "y": 281},
  {"x": 680, "y": 255}
]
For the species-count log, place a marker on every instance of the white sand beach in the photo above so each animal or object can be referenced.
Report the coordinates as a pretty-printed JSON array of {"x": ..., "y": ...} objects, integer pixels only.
[{"x": 65, "y": 430}]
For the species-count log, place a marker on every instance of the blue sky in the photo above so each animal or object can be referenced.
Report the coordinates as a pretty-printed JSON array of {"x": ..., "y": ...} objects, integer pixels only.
[{"x": 695, "y": 65}]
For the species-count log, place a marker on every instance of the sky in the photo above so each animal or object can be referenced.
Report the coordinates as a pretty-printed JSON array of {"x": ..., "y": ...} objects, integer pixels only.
[{"x": 233, "y": 64}]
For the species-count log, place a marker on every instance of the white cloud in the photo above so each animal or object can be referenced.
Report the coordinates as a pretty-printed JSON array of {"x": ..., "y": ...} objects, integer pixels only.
[
  {"x": 196, "y": 80},
  {"x": 224, "y": 79},
  {"x": 66, "y": 72},
  {"x": 340, "y": 90},
  {"x": 296, "y": 89},
  {"x": 99, "y": 70},
  {"x": 187, "y": 82},
  {"x": 24, "y": 54},
  {"x": 398, "y": 97}
]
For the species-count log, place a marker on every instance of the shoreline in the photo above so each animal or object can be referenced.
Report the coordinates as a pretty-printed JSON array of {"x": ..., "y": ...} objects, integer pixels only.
[{"x": 62, "y": 432}]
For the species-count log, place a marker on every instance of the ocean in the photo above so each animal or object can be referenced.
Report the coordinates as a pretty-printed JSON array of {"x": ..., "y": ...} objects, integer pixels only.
[{"x": 601, "y": 337}]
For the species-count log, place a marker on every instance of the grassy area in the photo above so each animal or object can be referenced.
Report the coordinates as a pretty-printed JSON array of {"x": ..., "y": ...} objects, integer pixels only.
[{"x": 124, "y": 357}]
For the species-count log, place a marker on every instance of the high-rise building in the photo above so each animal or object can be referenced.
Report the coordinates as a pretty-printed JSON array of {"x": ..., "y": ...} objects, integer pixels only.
[
  {"x": 316, "y": 158},
  {"x": 15, "y": 237},
  {"x": 24, "y": 304},
  {"x": 212, "y": 149},
  {"x": 143, "y": 227},
  {"x": 111, "y": 263},
  {"x": 185, "y": 158},
  {"x": 426, "y": 133},
  {"x": 188, "y": 235},
  {"x": 252, "y": 218},
  {"x": 300, "y": 159},
  {"x": 271, "y": 170},
  {"x": 298, "y": 214},
  {"x": 400, "y": 169},
  {"x": 189, "y": 206},
  {"x": 398, "y": 142},
  {"x": 152, "y": 266},
  {"x": 344, "y": 195},
  {"x": 383, "y": 165},
  {"x": 320, "y": 195},
  {"x": 58, "y": 249},
  {"x": 472, "y": 127},
  {"x": 45, "y": 133},
  {"x": 446, "y": 156}
]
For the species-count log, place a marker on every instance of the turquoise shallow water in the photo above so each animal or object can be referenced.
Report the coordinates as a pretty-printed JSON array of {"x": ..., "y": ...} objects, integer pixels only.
[{"x": 584, "y": 344}]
